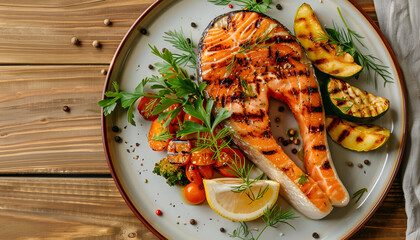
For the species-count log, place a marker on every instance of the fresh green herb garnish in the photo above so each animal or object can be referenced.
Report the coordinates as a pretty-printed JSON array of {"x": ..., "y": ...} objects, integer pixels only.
[
  {"x": 260, "y": 6},
  {"x": 271, "y": 218},
  {"x": 246, "y": 89},
  {"x": 243, "y": 172},
  {"x": 163, "y": 136},
  {"x": 186, "y": 45},
  {"x": 303, "y": 179},
  {"x": 359, "y": 194},
  {"x": 248, "y": 46},
  {"x": 345, "y": 41},
  {"x": 340, "y": 99}
]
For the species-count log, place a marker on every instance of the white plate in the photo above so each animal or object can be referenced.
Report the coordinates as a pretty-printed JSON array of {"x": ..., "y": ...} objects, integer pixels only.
[{"x": 130, "y": 65}]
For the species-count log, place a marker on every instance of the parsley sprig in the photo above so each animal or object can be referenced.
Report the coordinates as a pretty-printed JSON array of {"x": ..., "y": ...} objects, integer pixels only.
[
  {"x": 260, "y": 6},
  {"x": 186, "y": 45},
  {"x": 303, "y": 179},
  {"x": 271, "y": 217},
  {"x": 345, "y": 40},
  {"x": 346, "y": 108}
]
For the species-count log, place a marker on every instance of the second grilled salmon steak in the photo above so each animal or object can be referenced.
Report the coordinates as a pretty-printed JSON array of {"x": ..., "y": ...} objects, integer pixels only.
[{"x": 245, "y": 58}]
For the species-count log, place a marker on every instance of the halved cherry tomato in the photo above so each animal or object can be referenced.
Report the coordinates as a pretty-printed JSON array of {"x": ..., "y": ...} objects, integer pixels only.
[
  {"x": 193, "y": 174},
  {"x": 156, "y": 129},
  {"x": 227, "y": 157},
  {"x": 206, "y": 171},
  {"x": 202, "y": 157},
  {"x": 194, "y": 193},
  {"x": 179, "y": 151},
  {"x": 180, "y": 115},
  {"x": 188, "y": 117},
  {"x": 146, "y": 106}
]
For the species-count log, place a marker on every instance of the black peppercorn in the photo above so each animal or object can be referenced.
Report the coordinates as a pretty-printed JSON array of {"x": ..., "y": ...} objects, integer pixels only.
[
  {"x": 193, "y": 24},
  {"x": 118, "y": 139},
  {"x": 222, "y": 230},
  {"x": 192, "y": 221},
  {"x": 315, "y": 235},
  {"x": 367, "y": 162},
  {"x": 151, "y": 66},
  {"x": 143, "y": 31},
  {"x": 66, "y": 109},
  {"x": 115, "y": 129},
  {"x": 279, "y": 7}
]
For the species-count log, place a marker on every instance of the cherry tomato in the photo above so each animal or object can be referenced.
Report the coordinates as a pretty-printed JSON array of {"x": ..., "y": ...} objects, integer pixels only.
[
  {"x": 156, "y": 129},
  {"x": 206, "y": 171},
  {"x": 178, "y": 119},
  {"x": 188, "y": 117},
  {"x": 146, "y": 106},
  {"x": 194, "y": 193},
  {"x": 202, "y": 157},
  {"x": 193, "y": 174},
  {"x": 228, "y": 156},
  {"x": 179, "y": 151}
]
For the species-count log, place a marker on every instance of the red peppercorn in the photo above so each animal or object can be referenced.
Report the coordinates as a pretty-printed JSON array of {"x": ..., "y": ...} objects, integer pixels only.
[
  {"x": 158, "y": 212},
  {"x": 230, "y": 6}
]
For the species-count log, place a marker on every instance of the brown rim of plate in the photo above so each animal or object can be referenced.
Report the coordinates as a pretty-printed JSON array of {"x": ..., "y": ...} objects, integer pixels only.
[{"x": 349, "y": 234}]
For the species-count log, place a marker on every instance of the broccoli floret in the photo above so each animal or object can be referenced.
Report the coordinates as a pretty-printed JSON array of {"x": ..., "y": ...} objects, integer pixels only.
[{"x": 174, "y": 174}]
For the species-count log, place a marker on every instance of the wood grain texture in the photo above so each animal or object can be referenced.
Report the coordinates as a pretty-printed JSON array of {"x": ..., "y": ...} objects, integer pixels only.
[
  {"x": 40, "y": 31},
  {"x": 65, "y": 208},
  {"x": 36, "y": 135}
]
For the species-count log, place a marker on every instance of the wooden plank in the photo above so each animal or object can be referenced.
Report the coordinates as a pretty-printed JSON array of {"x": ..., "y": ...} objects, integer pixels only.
[
  {"x": 36, "y": 135},
  {"x": 66, "y": 208},
  {"x": 40, "y": 31},
  {"x": 69, "y": 208}
]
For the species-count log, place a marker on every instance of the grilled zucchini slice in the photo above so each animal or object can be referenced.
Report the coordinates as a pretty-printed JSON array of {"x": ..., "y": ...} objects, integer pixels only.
[
  {"x": 354, "y": 136},
  {"x": 324, "y": 56},
  {"x": 353, "y": 104}
]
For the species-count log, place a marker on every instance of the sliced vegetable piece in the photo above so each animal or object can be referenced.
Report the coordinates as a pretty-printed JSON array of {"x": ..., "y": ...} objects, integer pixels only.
[
  {"x": 202, "y": 157},
  {"x": 179, "y": 152},
  {"x": 158, "y": 136},
  {"x": 353, "y": 104},
  {"x": 323, "y": 55},
  {"x": 227, "y": 157},
  {"x": 206, "y": 172},
  {"x": 355, "y": 136},
  {"x": 193, "y": 174},
  {"x": 146, "y": 106}
]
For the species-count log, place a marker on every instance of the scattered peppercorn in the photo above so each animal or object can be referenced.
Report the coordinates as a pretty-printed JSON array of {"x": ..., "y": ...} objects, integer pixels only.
[
  {"x": 277, "y": 119},
  {"x": 66, "y": 109},
  {"x": 115, "y": 129},
  {"x": 151, "y": 67},
  {"x": 296, "y": 141},
  {"x": 367, "y": 162},
  {"x": 137, "y": 144},
  {"x": 107, "y": 22},
  {"x": 193, "y": 24},
  {"x": 294, "y": 150},
  {"x": 103, "y": 71},
  {"x": 359, "y": 165},
  {"x": 315, "y": 235},
  {"x": 192, "y": 221},
  {"x": 285, "y": 143},
  {"x": 75, "y": 41},
  {"x": 350, "y": 164},
  {"x": 280, "y": 139},
  {"x": 230, "y": 6},
  {"x": 96, "y": 44},
  {"x": 281, "y": 109},
  {"x": 222, "y": 230},
  {"x": 158, "y": 212},
  {"x": 192, "y": 77},
  {"x": 117, "y": 139},
  {"x": 279, "y": 7},
  {"x": 143, "y": 31}
]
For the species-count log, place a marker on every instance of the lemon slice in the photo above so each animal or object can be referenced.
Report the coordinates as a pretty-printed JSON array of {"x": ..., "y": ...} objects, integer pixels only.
[{"x": 238, "y": 206}]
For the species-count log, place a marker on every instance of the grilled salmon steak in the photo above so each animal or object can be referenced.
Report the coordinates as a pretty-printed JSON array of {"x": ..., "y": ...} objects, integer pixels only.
[{"x": 247, "y": 57}]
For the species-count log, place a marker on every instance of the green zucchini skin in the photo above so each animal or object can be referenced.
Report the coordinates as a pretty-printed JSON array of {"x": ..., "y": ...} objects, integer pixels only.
[{"x": 351, "y": 103}]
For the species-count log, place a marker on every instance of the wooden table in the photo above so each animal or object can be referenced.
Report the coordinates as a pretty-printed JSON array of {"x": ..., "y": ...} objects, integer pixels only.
[{"x": 54, "y": 179}]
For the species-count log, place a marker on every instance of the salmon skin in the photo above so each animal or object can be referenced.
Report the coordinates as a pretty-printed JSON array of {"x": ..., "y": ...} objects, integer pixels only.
[{"x": 245, "y": 58}]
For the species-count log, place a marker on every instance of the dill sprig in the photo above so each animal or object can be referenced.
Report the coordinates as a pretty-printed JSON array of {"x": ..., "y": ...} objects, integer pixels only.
[
  {"x": 248, "y": 46},
  {"x": 163, "y": 136},
  {"x": 246, "y": 89},
  {"x": 271, "y": 217},
  {"x": 358, "y": 195},
  {"x": 345, "y": 41},
  {"x": 184, "y": 44},
  {"x": 260, "y": 6},
  {"x": 243, "y": 172}
]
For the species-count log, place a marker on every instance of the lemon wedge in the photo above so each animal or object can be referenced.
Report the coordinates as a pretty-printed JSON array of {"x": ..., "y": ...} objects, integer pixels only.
[{"x": 238, "y": 206}]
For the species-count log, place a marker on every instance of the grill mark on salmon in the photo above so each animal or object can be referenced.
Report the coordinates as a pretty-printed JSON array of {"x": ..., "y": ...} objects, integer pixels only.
[{"x": 281, "y": 71}]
